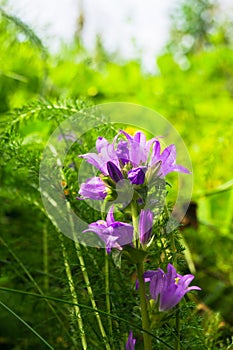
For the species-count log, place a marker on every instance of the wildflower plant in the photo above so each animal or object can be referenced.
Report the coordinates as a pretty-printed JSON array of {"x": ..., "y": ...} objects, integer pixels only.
[
  {"x": 142, "y": 165},
  {"x": 115, "y": 182}
]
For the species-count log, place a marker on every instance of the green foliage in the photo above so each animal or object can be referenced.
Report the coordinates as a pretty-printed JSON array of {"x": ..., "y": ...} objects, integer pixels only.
[
  {"x": 23, "y": 63},
  {"x": 39, "y": 91}
]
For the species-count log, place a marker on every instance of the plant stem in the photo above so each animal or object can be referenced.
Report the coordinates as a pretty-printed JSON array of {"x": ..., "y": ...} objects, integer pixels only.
[
  {"x": 87, "y": 281},
  {"x": 73, "y": 293},
  {"x": 142, "y": 289},
  {"x": 107, "y": 292},
  {"x": 45, "y": 258},
  {"x": 144, "y": 312},
  {"x": 90, "y": 293},
  {"x": 83, "y": 268}
]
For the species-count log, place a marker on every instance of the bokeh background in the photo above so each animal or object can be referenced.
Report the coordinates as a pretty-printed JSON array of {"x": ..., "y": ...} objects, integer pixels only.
[{"x": 175, "y": 57}]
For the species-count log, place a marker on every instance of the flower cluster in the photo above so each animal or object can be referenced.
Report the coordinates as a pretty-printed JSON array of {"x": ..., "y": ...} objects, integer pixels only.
[
  {"x": 139, "y": 162},
  {"x": 133, "y": 158}
]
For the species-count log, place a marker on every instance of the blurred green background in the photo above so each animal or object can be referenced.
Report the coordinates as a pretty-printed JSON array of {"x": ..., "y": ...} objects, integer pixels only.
[{"x": 193, "y": 89}]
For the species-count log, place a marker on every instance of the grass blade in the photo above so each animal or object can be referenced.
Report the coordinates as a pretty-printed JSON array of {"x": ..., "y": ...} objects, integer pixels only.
[{"x": 27, "y": 325}]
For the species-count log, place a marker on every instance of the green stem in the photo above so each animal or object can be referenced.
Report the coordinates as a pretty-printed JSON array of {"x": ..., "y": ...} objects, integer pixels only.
[
  {"x": 84, "y": 270},
  {"x": 87, "y": 281},
  {"x": 45, "y": 258},
  {"x": 107, "y": 292},
  {"x": 90, "y": 294},
  {"x": 144, "y": 312},
  {"x": 142, "y": 288},
  {"x": 73, "y": 293}
]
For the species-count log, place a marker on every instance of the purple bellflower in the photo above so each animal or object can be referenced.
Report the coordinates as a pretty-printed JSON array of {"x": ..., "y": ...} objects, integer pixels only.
[
  {"x": 113, "y": 233},
  {"x": 130, "y": 344},
  {"x": 138, "y": 151},
  {"x": 106, "y": 153},
  {"x": 167, "y": 159},
  {"x": 145, "y": 225},
  {"x": 168, "y": 287},
  {"x": 138, "y": 148},
  {"x": 93, "y": 188}
]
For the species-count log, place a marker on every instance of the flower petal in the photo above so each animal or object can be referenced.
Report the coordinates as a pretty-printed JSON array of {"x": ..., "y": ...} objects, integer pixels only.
[
  {"x": 130, "y": 344},
  {"x": 100, "y": 143},
  {"x": 93, "y": 188}
]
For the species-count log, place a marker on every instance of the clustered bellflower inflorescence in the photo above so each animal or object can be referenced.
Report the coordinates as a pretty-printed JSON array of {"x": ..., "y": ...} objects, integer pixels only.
[
  {"x": 134, "y": 159},
  {"x": 139, "y": 163}
]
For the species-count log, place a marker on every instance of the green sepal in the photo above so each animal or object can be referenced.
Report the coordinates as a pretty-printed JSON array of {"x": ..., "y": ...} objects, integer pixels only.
[{"x": 108, "y": 181}]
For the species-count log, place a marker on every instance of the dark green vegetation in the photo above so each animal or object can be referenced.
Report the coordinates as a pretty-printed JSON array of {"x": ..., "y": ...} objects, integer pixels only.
[{"x": 194, "y": 91}]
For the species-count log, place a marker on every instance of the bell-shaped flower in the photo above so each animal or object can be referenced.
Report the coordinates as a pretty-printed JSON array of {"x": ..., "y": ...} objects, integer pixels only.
[
  {"x": 168, "y": 287},
  {"x": 145, "y": 225},
  {"x": 167, "y": 160},
  {"x": 114, "y": 234},
  {"x": 106, "y": 153},
  {"x": 130, "y": 344},
  {"x": 93, "y": 188},
  {"x": 138, "y": 148}
]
